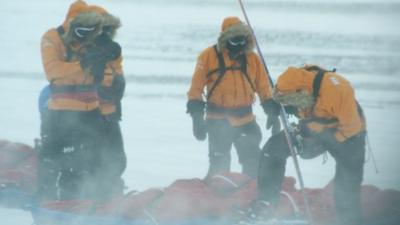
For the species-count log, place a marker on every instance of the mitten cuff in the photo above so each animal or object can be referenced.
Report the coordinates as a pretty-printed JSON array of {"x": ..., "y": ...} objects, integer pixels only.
[
  {"x": 195, "y": 107},
  {"x": 270, "y": 107}
]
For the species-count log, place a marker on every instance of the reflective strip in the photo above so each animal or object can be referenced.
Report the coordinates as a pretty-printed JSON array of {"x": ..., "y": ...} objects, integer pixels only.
[
  {"x": 150, "y": 216},
  {"x": 291, "y": 200},
  {"x": 229, "y": 181},
  {"x": 72, "y": 88}
]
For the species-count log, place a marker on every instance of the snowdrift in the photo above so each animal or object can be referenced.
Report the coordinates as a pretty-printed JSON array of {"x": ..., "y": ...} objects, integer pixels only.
[{"x": 219, "y": 200}]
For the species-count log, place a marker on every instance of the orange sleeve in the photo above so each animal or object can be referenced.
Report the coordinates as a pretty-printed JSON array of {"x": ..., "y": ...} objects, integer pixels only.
[
  {"x": 263, "y": 86},
  {"x": 199, "y": 79},
  {"x": 53, "y": 60}
]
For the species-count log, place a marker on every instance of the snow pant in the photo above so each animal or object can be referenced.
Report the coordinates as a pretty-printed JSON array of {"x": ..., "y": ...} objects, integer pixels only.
[
  {"x": 349, "y": 157},
  {"x": 69, "y": 154},
  {"x": 245, "y": 138},
  {"x": 112, "y": 162}
]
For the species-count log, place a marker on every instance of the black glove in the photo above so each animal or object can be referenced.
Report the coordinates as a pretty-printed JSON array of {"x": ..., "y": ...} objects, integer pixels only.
[
  {"x": 92, "y": 56},
  {"x": 100, "y": 54},
  {"x": 118, "y": 87},
  {"x": 196, "y": 110},
  {"x": 291, "y": 110},
  {"x": 199, "y": 127},
  {"x": 272, "y": 109},
  {"x": 112, "y": 48},
  {"x": 97, "y": 71}
]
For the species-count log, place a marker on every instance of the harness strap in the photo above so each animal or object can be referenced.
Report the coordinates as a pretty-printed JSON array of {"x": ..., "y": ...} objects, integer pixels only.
[
  {"x": 243, "y": 65},
  {"x": 222, "y": 70}
]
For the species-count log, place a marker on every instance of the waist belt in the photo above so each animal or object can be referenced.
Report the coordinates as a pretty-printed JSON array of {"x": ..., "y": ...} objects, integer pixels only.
[
  {"x": 72, "y": 89},
  {"x": 83, "y": 93},
  {"x": 237, "y": 112}
]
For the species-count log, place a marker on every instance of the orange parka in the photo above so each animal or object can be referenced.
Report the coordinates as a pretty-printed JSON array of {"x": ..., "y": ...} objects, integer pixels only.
[
  {"x": 336, "y": 102},
  {"x": 234, "y": 90},
  {"x": 61, "y": 63}
]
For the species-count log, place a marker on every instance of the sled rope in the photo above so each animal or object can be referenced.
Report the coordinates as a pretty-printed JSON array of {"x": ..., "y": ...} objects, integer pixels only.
[
  {"x": 150, "y": 216},
  {"x": 371, "y": 153},
  {"x": 292, "y": 202},
  {"x": 229, "y": 181}
]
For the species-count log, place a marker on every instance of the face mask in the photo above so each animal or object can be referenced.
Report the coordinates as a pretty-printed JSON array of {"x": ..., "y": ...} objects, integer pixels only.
[
  {"x": 81, "y": 33},
  {"x": 236, "y": 45},
  {"x": 108, "y": 30}
]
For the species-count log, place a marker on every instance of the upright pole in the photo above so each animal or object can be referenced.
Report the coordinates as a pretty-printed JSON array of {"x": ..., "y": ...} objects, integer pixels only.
[{"x": 284, "y": 120}]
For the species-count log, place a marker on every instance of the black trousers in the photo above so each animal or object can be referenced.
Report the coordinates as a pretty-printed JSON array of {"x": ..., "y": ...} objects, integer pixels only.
[
  {"x": 245, "y": 138},
  {"x": 69, "y": 155},
  {"x": 349, "y": 157}
]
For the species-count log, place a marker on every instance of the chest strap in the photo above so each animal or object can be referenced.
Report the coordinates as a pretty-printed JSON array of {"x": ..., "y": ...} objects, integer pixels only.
[{"x": 222, "y": 70}]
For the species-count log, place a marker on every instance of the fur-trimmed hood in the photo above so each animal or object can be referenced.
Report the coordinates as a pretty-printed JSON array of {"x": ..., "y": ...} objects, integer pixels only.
[
  {"x": 112, "y": 21},
  {"x": 75, "y": 9},
  {"x": 294, "y": 79},
  {"x": 107, "y": 19},
  {"x": 294, "y": 87},
  {"x": 300, "y": 99},
  {"x": 231, "y": 27},
  {"x": 90, "y": 19}
]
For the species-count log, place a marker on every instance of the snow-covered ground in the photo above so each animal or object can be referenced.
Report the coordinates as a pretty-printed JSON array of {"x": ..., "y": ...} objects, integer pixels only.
[{"x": 161, "y": 40}]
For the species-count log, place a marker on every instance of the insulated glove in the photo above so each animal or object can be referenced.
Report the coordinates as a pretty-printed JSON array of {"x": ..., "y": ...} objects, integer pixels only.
[
  {"x": 291, "y": 110},
  {"x": 196, "y": 110},
  {"x": 272, "y": 109},
  {"x": 199, "y": 127},
  {"x": 91, "y": 57},
  {"x": 118, "y": 86},
  {"x": 97, "y": 71},
  {"x": 110, "y": 47},
  {"x": 100, "y": 54}
]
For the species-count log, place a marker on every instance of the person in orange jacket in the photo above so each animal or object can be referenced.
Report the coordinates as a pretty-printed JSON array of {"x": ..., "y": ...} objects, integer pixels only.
[
  {"x": 113, "y": 158},
  {"x": 330, "y": 119},
  {"x": 232, "y": 74},
  {"x": 71, "y": 131}
]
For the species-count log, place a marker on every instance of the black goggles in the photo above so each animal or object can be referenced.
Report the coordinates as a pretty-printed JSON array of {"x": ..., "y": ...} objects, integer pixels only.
[
  {"x": 83, "y": 32},
  {"x": 238, "y": 40}
]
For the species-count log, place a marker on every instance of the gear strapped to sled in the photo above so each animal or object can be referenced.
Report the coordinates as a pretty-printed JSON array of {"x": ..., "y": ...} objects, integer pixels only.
[{"x": 222, "y": 70}]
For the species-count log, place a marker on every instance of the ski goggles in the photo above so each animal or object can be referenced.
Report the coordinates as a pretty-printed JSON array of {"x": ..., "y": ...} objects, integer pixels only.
[
  {"x": 83, "y": 32},
  {"x": 237, "y": 41}
]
